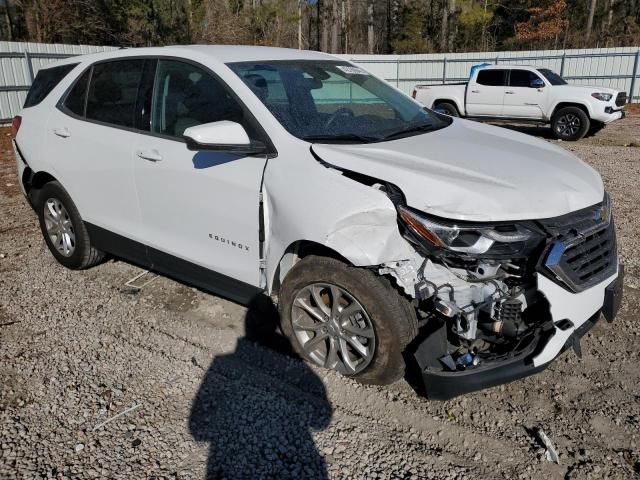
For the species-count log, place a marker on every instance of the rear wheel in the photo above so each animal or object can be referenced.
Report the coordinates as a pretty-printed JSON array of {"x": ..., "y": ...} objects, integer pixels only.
[
  {"x": 570, "y": 123},
  {"x": 63, "y": 229},
  {"x": 346, "y": 319},
  {"x": 448, "y": 109}
]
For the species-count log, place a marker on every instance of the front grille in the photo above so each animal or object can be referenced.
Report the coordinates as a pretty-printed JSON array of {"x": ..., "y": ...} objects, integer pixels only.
[
  {"x": 584, "y": 252},
  {"x": 621, "y": 99}
]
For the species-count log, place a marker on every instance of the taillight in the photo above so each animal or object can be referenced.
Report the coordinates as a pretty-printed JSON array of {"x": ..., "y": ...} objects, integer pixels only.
[
  {"x": 414, "y": 93},
  {"x": 15, "y": 125}
]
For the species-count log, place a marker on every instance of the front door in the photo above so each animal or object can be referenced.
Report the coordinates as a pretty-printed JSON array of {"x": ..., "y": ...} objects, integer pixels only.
[
  {"x": 521, "y": 100},
  {"x": 202, "y": 207}
]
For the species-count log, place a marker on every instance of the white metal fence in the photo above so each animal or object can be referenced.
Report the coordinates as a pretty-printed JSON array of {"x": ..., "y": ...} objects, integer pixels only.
[
  {"x": 19, "y": 63},
  {"x": 612, "y": 67},
  {"x": 608, "y": 67}
]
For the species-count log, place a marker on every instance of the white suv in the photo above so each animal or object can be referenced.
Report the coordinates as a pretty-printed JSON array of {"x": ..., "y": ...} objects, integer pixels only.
[{"x": 378, "y": 227}]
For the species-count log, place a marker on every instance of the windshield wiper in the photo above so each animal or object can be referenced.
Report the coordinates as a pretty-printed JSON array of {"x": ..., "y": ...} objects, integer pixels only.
[
  {"x": 421, "y": 127},
  {"x": 341, "y": 138}
]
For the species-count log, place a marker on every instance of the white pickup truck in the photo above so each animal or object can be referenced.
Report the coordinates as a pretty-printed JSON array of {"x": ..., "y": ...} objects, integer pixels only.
[{"x": 526, "y": 94}]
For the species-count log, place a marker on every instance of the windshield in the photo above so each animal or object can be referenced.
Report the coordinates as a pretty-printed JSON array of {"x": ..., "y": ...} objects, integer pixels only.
[
  {"x": 552, "y": 77},
  {"x": 333, "y": 101}
]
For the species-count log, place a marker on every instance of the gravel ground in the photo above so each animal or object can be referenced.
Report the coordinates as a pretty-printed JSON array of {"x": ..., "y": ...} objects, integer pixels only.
[{"x": 197, "y": 395}]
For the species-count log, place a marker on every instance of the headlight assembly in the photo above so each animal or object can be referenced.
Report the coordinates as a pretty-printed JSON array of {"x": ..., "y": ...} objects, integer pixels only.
[
  {"x": 473, "y": 240},
  {"x": 605, "y": 97}
]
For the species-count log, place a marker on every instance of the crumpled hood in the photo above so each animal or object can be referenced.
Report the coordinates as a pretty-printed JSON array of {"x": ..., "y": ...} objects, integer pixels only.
[{"x": 471, "y": 171}]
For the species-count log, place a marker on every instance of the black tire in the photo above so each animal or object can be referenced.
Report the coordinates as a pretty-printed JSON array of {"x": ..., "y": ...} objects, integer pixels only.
[
  {"x": 570, "y": 124},
  {"x": 83, "y": 254},
  {"x": 448, "y": 109},
  {"x": 392, "y": 317}
]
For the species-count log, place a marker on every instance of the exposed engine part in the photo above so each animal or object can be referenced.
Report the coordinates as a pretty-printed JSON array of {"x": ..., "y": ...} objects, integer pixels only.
[
  {"x": 506, "y": 318},
  {"x": 464, "y": 297}
]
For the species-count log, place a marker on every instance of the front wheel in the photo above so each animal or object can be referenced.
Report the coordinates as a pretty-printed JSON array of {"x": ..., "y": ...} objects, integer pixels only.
[
  {"x": 570, "y": 123},
  {"x": 346, "y": 319}
]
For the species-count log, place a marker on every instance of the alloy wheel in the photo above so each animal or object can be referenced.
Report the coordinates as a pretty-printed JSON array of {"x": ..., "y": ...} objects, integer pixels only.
[
  {"x": 333, "y": 328},
  {"x": 59, "y": 227},
  {"x": 568, "y": 125}
]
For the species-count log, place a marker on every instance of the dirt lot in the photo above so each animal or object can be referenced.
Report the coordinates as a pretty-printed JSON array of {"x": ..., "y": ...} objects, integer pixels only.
[{"x": 77, "y": 348}]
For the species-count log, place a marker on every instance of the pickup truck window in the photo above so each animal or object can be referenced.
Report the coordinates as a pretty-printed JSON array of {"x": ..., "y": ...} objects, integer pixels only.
[
  {"x": 334, "y": 101},
  {"x": 493, "y": 78},
  {"x": 553, "y": 77},
  {"x": 521, "y": 78}
]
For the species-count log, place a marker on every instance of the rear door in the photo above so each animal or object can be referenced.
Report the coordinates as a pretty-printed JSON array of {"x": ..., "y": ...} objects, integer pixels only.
[
  {"x": 521, "y": 100},
  {"x": 90, "y": 138},
  {"x": 198, "y": 207},
  {"x": 485, "y": 93}
]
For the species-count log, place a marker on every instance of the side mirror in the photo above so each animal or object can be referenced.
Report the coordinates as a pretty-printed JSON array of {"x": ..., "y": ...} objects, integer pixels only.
[
  {"x": 537, "y": 83},
  {"x": 222, "y": 136}
]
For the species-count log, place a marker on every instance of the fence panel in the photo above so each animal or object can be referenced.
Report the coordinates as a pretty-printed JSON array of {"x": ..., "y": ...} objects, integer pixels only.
[
  {"x": 610, "y": 67},
  {"x": 20, "y": 62}
]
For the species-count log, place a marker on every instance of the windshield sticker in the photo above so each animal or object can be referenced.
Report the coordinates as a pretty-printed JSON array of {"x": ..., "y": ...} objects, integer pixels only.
[{"x": 352, "y": 70}]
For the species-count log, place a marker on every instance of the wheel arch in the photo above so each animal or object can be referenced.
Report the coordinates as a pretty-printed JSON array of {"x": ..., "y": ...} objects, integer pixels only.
[
  {"x": 295, "y": 252},
  {"x": 453, "y": 101},
  {"x": 581, "y": 106},
  {"x": 34, "y": 181}
]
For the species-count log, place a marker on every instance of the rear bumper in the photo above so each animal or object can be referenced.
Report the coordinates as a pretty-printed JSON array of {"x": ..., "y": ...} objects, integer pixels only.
[{"x": 441, "y": 385}]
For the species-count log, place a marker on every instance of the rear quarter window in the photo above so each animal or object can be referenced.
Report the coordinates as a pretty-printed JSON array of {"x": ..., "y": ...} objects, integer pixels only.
[{"x": 45, "y": 81}]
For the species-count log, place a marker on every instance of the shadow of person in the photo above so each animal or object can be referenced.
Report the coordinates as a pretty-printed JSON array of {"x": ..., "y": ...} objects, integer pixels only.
[{"x": 258, "y": 406}]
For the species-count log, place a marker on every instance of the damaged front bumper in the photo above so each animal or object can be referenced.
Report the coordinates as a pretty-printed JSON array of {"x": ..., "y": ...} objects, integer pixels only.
[{"x": 573, "y": 315}]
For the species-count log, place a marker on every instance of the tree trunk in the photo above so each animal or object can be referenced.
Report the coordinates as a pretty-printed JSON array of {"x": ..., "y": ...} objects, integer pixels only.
[
  {"x": 592, "y": 9},
  {"x": 325, "y": 29},
  {"x": 7, "y": 14},
  {"x": 335, "y": 27},
  {"x": 453, "y": 30},
  {"x": 370, "y": 37},
  {"x": 444, "y": 28},
  {"x": 299, "y": 25}
]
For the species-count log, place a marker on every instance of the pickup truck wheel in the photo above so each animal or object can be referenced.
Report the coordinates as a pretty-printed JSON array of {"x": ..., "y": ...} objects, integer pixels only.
[
  {"x": 448, "y": 109},
  {"x": 63, "y": 229},
  {"x": 346, "y": 319},
  {"x": 570, "y": 123}
]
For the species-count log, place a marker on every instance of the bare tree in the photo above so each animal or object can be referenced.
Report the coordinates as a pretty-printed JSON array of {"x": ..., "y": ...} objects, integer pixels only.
[
  {"x": 370, "y": 23},
  {"x": 592, "y": 9}
]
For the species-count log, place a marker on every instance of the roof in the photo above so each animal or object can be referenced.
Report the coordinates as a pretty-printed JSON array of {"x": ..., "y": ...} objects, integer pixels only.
[
  {"x": 505, "y": 65},
  {"x": 241, "y": 53},
  {"x": 218, "y": 53}
]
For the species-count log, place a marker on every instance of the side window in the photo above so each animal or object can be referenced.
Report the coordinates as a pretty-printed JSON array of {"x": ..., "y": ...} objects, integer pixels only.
[
  {"x": 185, "y": 96},
  {"x": 492, "y": 77},
  {"x": 521, "y": 78},
  {"x": 45, "y": 81},
  {"x": 76, "y": 99},
  {"x": 113, "y": 92}
]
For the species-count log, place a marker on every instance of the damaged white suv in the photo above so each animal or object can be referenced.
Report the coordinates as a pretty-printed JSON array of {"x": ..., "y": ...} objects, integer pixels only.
[{"x": 380, "y": 228}]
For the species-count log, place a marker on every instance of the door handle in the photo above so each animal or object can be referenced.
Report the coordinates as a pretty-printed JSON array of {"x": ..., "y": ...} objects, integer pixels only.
[
  {"x": 510, "y": 92},
  {"x": 62, "y": 132},
  {"x": 151, "y": 155},
  {"x": 475, "y": 91}
]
